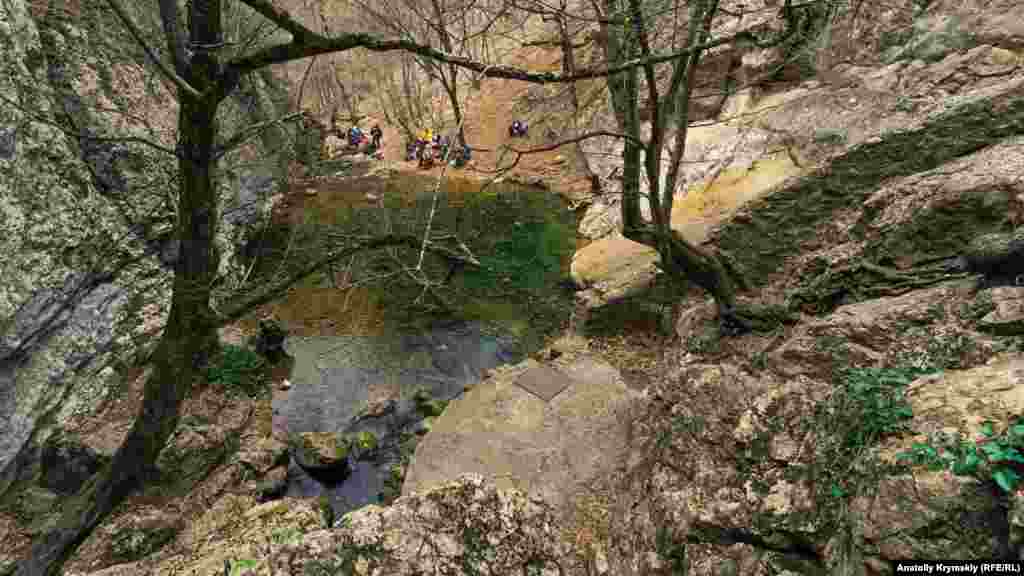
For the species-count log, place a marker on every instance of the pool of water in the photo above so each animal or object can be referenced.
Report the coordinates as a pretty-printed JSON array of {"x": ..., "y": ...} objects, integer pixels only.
[{"x": 355, "y": 341}]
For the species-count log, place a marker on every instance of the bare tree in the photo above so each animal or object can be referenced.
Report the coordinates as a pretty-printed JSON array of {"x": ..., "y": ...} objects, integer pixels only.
[
  {"x": 457, "y": 27},
  {"x": 658, "y": 158}
]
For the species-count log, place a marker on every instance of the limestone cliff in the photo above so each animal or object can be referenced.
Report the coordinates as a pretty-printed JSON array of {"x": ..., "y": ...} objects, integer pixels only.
[{"x": 87, "y": 197}]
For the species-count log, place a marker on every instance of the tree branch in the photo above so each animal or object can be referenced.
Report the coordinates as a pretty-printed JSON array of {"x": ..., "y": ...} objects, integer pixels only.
[
  {"x": 137, "y": 34},
  {"x": 282, "y": 18},
  {"x": 250, "y": 131},
  {"x": 268, "y": 294},
  {"x": 313, "y": 44}
]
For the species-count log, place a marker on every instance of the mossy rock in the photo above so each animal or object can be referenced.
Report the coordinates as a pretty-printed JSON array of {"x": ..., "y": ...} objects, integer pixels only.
[
  {"x": 428, "y": 406},
  {"x": 145, "y": 538}
]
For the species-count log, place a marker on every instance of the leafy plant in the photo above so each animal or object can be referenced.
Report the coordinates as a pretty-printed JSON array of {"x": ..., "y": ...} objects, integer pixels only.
[
  {"x": 868, "y": 405},
  {"x": 326, "y": 510},
  {"x": 243, "y": 566},
  {"x": 992, "y": 457},
  {"x": 238, "y": 368},
  {"x": 877, "y": 404}
]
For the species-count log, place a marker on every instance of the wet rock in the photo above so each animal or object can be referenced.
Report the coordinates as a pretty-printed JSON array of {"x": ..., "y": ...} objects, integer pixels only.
[
  {"x": 329, "y": 453},
  {"x": 320, "y": 452}
]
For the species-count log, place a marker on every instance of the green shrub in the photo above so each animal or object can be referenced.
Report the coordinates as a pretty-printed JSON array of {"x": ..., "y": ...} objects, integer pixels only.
[
  {"x": 992, "y": 457},
  {"x": 238, "y": 368},
  {"x": 876, "y": 404},
  {"x": 868, "y": 405},
  {"x": 326, "y": 510}
]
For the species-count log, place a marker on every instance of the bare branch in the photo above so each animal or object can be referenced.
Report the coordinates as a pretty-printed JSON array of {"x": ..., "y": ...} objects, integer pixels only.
[
  {"x": 81, "y": 135},
  {"x": 280, "y": 17},
  {"x": 274, "y": 290},
  {"x": 250, "y": 132},
  {"x": 313, "y": 44},
  {"x": 137, "y": 34}
]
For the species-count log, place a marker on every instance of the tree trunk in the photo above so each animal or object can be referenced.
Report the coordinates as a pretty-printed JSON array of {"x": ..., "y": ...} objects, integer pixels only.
[
  {"x": 190, "y": 336},
  {"x": 188, "y": 341}
]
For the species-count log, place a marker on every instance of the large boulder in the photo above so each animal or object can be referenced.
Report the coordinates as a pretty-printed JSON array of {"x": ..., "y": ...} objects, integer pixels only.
[
  {"x": 469, "y": 525},
  {"x": 548, "y": 430}
]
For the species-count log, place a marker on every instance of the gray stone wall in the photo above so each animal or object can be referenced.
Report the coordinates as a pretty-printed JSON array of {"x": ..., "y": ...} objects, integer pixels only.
[{"x": 87, "y": 209}]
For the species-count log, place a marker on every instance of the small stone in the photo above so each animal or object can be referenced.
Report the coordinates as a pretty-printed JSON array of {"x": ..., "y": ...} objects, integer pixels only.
[
  {"x": 310, "y": 191},
  {"x": 372, "y": 197}
]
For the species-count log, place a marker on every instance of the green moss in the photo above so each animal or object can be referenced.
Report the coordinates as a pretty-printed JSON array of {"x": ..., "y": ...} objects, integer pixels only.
[
  {"x": 366, "y": 440},
  {"x": 789, "y": 220},
  {"x": 326, "y": 511},
  {"x": 134, "y": 544},
  {"x": 342, "y": 448},
  {"x": 239, "y": 369}
]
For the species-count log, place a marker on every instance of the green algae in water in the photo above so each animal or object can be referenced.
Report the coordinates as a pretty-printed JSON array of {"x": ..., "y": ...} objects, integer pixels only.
[{"x": 524, "y": 239}]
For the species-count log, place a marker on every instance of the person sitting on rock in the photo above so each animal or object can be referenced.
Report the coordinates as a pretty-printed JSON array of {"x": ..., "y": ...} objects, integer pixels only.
[
  {"x": 355, "y": 136},
  {"x": 426, "y": 157},
  {"x": 517, "y": 129},
  {"x": 463, "y": 156}
]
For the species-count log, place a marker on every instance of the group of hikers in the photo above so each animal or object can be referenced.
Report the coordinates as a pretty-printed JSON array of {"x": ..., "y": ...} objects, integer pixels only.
[
  {"x": 357, "y": 138},
  {"x": 429, "y": 148}
]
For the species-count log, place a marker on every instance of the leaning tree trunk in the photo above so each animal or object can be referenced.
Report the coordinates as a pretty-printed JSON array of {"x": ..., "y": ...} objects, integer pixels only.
[{"x": 189, "y": 338}]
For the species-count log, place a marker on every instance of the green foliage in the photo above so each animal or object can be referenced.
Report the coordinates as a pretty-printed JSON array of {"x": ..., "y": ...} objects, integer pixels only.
[
  {"x": 243, "y": 566},
  {"x": 326, "y": 510},
  {"x": 427, "y": 406},
  {"x": 868, "y": 405},
  {"x": 905, "y": 104},
  {"x": 131, "y": 545},
  {"x": 927, "y": 46},
  {"x": 875, "y": 401},
  {"x": 286, "y": 536},
  {"x": 992, "y": 457},
  {"x": 673, "y": 551},
  {"x": 709, "y": 341},
  {"x": 238, "y": 368},
  {"x": 366, "y": 440}
]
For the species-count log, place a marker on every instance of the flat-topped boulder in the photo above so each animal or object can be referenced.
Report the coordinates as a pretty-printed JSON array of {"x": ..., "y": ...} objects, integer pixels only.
[{"x": 546, "y": 429}]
